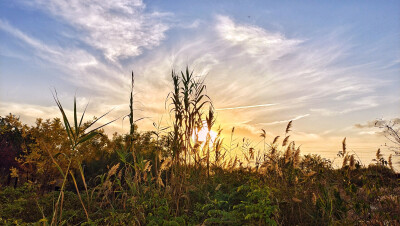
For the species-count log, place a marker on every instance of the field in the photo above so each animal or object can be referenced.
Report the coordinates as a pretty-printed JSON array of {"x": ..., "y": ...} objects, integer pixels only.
[{"x": 69, "y": 172}]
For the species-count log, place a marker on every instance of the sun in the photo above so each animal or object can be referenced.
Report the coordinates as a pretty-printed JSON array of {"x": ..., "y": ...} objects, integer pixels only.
[{"x": 203, "y": 132}]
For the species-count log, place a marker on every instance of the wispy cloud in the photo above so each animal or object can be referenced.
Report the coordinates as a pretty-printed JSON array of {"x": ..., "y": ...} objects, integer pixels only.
[
  {"x": 376, "y": 123},
  {"x": 30, "y": 112},
  {"x": 254, "y": 40},
  {"x": 245, "y": 63},
  {"x": 79, "y": 66},
  {"x": 330, "y": 75},
  {"x": 244, "y": 107},
  {"x": 367, "y": 132},
  {"x": 119, "y": 28},
  {"x": 362, "y": 103},
  {"x": 5, "y": 26},
  {"x": 285, "y": 121}
]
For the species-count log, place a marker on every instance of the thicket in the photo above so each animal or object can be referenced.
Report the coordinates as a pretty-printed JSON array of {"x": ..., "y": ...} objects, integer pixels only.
[{"x": 62, "y": 172}]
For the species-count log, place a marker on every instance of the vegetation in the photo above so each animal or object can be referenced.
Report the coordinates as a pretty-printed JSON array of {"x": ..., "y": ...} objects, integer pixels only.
[{"x": 59, "y": 172}]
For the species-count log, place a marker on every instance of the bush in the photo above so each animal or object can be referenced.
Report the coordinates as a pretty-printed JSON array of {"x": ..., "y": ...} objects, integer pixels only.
[{"x": 246, "y": 204}]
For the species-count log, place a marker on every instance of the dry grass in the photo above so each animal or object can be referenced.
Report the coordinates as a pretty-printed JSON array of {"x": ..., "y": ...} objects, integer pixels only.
[{"x": 169, "y": 177}]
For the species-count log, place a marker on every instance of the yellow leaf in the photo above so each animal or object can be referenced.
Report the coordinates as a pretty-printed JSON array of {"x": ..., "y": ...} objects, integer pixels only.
[
  {"x": 296, "y": 200},
  {"x": 14, "y": 172}
]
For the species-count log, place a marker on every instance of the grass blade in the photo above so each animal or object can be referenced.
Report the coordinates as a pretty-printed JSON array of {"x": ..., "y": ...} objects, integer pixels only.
[{"x": 76, "y": 118}]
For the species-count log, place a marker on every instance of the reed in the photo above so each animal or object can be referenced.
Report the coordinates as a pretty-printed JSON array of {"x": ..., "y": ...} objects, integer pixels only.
[{"x": 168, "y": 177}]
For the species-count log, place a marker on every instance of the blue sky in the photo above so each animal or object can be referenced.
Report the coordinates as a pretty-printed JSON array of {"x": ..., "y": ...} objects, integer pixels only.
[{"x": 325, "y": 65}]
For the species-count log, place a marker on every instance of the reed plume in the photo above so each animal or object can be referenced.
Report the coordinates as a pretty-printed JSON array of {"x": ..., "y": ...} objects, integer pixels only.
[
  {"x": 378, "y": 154},
  {"x": 296, "y": 158},
  {"x": 344, "y": 146},
  {"x": 285, "y": 141},
  {"x": 288, "y": 153},
  {"x": 289, "y": 126},
  {"x": 390, "y": 162},
  {"x": 345, "y": 161},
  {"x": 352, "y": 162},
  {"x": 275, "y": 139}
]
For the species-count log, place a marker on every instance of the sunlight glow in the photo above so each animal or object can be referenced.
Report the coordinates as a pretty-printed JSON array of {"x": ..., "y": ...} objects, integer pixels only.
[{"x": 202, "y": 134}]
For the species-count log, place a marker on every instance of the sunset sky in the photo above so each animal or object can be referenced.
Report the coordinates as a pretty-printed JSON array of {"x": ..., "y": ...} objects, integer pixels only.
[{"x": 331, "y": 66}]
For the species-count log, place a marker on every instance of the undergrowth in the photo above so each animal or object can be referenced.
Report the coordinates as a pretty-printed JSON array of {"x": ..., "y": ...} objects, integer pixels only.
[{"x": 64, "y": 173}]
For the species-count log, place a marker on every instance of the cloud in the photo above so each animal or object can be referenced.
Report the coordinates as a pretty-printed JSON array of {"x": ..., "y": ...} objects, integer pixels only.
[
  {"x": 5, "y": 26},
  {"x": 305, "y": 137},
  {"x": 244, "y": 65},
  {"x": 370, "y": 124},
  {"x": 377, "y": 123},
  {"x": 254, "y": 40},
  {"x": 367, "y": 133},
  {"x": 119, "y": 28},
  {"x": 359, "y": 104},
  {"x": 79, "y": 66},
  {"x": 30, "y": 112},
  {"x": 285, "y": 121},
  {"x": 244, "y": 107}
]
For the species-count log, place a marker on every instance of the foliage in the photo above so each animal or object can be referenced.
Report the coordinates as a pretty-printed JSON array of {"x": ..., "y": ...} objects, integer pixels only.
[
  {"x": 243, "y": 205},
  {"x": 66, "y": 173},
  {"x": 12, "y": 134}
]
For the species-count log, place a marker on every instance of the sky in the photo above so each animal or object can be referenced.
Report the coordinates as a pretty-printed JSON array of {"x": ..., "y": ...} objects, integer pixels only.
[{"x": 332, "y": 67}]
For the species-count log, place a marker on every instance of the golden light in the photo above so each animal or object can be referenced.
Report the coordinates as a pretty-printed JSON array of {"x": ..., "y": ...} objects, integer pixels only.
[{"x": 203, "y": 132}]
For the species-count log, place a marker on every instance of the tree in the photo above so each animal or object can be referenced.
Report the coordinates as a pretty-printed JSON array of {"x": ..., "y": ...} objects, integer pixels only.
[
  {"x": 391, "y": 130},
  {"x": 11, "y": 139}
]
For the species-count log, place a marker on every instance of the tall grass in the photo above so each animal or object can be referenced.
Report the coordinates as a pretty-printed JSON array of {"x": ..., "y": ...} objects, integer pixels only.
[
  {"x": 77, "y": 135},
  {"x": 169, "y": 177}
]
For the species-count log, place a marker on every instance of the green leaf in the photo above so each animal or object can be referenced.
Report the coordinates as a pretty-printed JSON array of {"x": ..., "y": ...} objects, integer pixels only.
[
  {"x": 83, "y": 114},
  {"x": 121, "y": 155},
  {"x": 87, "y": 137},
  {"x": 76, "y": 118}
]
